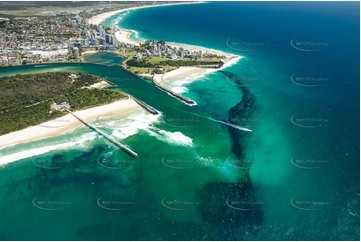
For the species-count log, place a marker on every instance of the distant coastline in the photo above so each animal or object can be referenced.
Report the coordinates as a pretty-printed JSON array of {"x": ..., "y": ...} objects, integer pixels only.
[{"x": 98, "y": 19}]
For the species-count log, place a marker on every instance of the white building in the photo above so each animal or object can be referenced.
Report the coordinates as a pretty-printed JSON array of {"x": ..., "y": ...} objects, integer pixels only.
[{"x": 76, "y": 53}]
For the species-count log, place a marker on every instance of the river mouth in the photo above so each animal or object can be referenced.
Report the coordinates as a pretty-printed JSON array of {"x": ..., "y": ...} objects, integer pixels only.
[{"x": 294, "y": 176}]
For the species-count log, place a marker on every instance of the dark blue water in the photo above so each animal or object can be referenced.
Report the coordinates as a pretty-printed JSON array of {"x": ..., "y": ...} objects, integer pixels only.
[
  {"x": 302, "y": 66},
  {"x": 295, "y": 177}
]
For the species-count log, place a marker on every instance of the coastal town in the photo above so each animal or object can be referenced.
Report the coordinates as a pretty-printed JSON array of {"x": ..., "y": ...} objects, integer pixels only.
[
  {"x": 65, "y": 36},
  {"x": 58, "y": 38}
]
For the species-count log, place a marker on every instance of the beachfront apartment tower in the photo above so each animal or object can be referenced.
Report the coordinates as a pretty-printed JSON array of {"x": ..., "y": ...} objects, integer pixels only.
[{"x": 76, "y": 53}]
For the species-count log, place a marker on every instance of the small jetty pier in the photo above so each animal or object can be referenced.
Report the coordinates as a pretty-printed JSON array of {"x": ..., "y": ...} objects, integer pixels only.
[
  {"x": 109, "y": 138},
  {"x": 185, "y": 100},
  {"x": 145, "y": 106}
]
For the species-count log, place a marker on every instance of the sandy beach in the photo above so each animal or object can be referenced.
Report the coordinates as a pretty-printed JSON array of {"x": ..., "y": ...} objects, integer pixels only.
[
  {"x": 180, "y": 72},
  {"x": 97, "y": 19},
  {"x": 67, "y": 123},
  {"x": 123, "y": 35},
  {"x": 186, "y": 71}
]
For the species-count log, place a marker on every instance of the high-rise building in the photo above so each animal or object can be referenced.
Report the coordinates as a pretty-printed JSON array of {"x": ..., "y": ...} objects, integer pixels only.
[
  {"x": 93, "y": 41},
  {"x": 181, "y": 52},
  {"x": 101, "y": 40},
  {"x": 111, "y": 39},
  {"x": 76, "y": 52},
  {"x": 78, "y": 19},
  {"x": 101, "y": 31}
]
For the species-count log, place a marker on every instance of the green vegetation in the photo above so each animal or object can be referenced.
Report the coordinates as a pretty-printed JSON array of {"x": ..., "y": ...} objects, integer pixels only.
[
  {"x": 159, "y": 63},
  {"x": 145, "y": 70},
  {"x": 25, "y": 99},
  {"x": 127, "y": 53}
]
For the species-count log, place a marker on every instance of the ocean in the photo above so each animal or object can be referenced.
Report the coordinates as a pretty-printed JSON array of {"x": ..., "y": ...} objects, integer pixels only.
[{"x": 295, "y": 177}]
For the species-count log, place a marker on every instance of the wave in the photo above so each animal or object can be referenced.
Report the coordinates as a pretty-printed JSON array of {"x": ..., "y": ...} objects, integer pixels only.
[
  {"x": 122, "y": 129},
  {"x": 178, "y": 85},
  {"x": 177, "y": 138},
  {"x": 179, "y": 90},
  {"x": 81, "y": 142},
  {"x": 173, "y": 138},
  {"x": 135, "y": 35},
  {"x": 116, "y": 22},
  {"x": 132, "y": 125},
  {"x": 143, "y": 122}
]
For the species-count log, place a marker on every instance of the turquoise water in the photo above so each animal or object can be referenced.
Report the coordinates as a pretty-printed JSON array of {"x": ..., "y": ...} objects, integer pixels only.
[
  {"x": 295, "y": 177},
  {"x": 103, "y": 58}
]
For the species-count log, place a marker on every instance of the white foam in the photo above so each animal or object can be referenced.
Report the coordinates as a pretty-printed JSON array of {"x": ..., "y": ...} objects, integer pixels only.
[
  {"x": 136, "y": 34},
  {"x": 179, "y": 89},
  {"x": 143, "y": 121},
  {"x": 174, "y": 138},
  {"x": 79, "y": 143},
  {"x": 115, "y": 23},
  {"x": 130, "y": 126},
  {"x": 177, "y": 85},
  {"x": 28, "y": 153}
]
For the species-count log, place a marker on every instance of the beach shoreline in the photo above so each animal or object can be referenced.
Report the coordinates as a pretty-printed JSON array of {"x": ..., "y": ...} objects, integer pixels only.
[
  {"x": 67, "y": 123},
  {"x": 98, "y": 19},
  {"x": 164, "y": 81},
  {"x": 185, "y": 71},
  {"x": 124, "y": 35}
]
